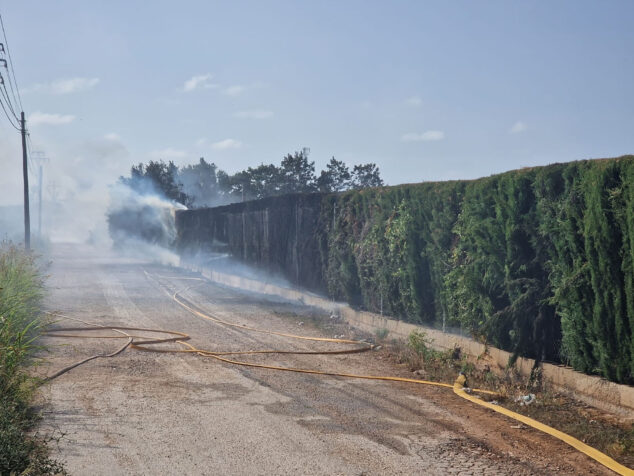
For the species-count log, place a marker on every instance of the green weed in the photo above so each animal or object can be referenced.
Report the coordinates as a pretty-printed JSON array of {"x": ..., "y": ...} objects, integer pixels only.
[
  {"x": 381, "y": 333},
  {"x": 421, "y": 344}
]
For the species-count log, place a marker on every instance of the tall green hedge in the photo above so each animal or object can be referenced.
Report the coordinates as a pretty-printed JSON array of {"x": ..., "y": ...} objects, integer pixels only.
[{"x": 536, "y": 261}]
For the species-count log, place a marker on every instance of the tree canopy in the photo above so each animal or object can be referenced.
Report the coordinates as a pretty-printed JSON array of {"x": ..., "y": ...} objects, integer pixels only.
[
  {"x": 336, "y": 177},
  {"x": 204, "y": 185}
]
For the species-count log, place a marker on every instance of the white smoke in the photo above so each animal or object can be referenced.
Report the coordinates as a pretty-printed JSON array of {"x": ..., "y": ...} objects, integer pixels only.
[
  {"x": 80, "y": 188},
  {"x": 142, "y": 224}
]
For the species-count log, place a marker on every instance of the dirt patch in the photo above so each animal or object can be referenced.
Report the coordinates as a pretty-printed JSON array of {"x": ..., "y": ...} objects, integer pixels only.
[
  {"x": 603, "y": 431},
  {"x": 609, "y": 433}
]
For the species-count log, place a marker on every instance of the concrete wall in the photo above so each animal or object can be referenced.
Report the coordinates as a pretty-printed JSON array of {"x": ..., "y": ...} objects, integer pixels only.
[{"x": 594, "y": 390}]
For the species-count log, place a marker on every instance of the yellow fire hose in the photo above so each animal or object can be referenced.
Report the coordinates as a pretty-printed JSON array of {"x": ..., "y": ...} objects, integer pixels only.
[
  {"x": 605, "y": 460},
  {"x": 142, "y": 343}
]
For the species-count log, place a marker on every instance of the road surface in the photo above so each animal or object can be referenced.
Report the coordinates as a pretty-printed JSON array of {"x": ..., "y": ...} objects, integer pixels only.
[{"x": 150, "y": 413}]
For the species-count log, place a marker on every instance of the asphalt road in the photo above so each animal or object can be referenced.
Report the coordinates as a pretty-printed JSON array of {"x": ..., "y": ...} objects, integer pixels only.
[{"x": 151, "y": 413}]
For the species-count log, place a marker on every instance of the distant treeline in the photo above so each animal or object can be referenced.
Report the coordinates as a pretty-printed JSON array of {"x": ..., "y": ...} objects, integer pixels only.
[
  {"x": 204, "y": 184},
  {"x": 538, "y": 261}
]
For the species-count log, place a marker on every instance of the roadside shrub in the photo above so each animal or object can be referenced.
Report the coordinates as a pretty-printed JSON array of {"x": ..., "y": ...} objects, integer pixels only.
[
  {"x": 21, "y": 291},
  {"x": 421, "y": 344}
]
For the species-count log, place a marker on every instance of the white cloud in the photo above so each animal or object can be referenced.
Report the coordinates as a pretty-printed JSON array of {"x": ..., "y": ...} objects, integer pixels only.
[
  {"x": 112, "y": 136},
  {"x": 227, "y": 144},
  {"x": 67, "y": 86},
  {"x": 38, "y": 118},
  {"x": 234, "y": 90},
  {"x": 64, "y": 86},
  {"x": 168, "y": 154},
  {"x": 254, "y": 114},
  {"x": 414, "y": 101},
  {"x": 518, "y": 127},
  {"x": 423, "y": 137},
  {"x": 200, "y": 81},
  {"x": 201, "y": 142}
]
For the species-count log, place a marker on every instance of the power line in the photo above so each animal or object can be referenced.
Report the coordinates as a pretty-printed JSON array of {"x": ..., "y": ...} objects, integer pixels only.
[
  {"x": 6, "y": 66},
  {"x": 5, "y": 97},
  {"x": 5, "y": 94},
  {"x": 6, "y": 43},
  {"x": 8, "y": 116},
  {"x": 23, "y": 132},
  {"x": 12, "y": 116},
  {"x": 34, "y": 156}
]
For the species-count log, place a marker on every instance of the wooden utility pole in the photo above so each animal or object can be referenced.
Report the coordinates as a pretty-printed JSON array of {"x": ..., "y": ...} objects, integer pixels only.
[{"x": 25, "y": 173}]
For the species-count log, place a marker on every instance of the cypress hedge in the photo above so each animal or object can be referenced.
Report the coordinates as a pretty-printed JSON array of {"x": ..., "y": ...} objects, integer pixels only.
[{"x": 537, "y": 261}]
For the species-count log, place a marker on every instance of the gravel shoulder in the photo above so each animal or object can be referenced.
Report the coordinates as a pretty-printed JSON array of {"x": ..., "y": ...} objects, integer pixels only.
[{"x": 150, "y": 413}]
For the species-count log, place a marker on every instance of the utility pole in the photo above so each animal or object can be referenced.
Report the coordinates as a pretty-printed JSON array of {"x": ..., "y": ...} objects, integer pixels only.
[
  {"x": 11, "y": 115},
  {"x": 39, "y": 203},
  {"x": 39, "y": 158},
  {"x": 25, "y": 173}
]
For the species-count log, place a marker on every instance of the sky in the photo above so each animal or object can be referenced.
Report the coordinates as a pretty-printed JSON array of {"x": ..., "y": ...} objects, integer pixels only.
[{"x": 428, "y": 90}]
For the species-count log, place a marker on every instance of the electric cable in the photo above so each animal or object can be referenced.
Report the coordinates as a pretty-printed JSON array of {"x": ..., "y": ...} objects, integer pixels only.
[
  {"x": 5, "y": 95},
  {"x": 10, "y": 82},
  {"x": 8, "y": 116},
  {"x": 6, "y": 44}
]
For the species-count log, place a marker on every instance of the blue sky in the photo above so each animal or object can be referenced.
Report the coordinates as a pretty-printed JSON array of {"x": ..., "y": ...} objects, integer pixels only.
[{"x": 427, "y": 90}]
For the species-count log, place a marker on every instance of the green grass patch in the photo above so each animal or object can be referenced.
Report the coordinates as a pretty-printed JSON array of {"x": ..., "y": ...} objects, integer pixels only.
[{"x": 21, "y": 292}]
